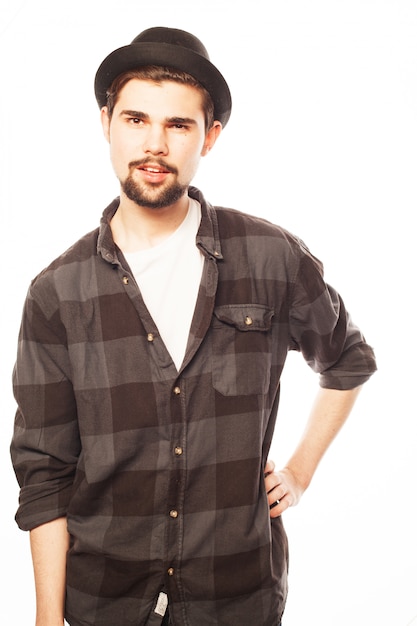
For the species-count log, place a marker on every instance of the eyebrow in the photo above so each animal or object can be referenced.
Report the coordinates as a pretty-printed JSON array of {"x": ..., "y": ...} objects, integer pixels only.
[{"x": 189, "y": 121}]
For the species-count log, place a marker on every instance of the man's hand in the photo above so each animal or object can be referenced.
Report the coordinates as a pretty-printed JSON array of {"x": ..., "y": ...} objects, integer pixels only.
[
  {"x": 329, "y": 413},
  {"x": 282, "y": 488}
]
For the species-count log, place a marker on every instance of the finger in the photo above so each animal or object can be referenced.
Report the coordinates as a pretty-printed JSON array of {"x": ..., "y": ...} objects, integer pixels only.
[
  {"x": 271, "y": 481},
  {"x": 279, "y": 507},
  {"x": 273, "y": 504},
  {"x": 269, "y": 467},
  {"x": 274, "y": 480},
  {"x": 277, "y": 493}
]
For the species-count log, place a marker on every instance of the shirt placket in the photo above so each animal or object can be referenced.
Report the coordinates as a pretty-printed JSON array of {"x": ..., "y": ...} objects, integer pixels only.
[
  {"x": 179, "y": 410},
  {"x": 176, "y": 492}
]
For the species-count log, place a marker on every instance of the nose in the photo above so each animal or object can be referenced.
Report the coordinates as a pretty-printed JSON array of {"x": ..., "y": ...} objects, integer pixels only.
[{"x": 155, "y": 140}]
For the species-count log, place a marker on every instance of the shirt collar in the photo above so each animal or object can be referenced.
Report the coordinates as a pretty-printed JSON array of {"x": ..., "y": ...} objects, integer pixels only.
[{"x": 208, "y": 238}]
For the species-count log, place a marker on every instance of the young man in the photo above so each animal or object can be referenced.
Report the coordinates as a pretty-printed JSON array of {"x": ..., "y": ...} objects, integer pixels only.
[{"x": 147, "y": 377}]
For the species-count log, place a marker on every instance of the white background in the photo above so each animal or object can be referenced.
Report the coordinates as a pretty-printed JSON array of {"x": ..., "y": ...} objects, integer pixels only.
[{"x": 323, "y": 141}]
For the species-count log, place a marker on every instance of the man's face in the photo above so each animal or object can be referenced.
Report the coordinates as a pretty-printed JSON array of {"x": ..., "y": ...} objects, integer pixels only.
[{"x": 157, "y": 136}]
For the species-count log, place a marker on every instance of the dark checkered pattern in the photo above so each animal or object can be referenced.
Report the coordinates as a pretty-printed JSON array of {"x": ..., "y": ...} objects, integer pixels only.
[{"x": 160, "y": 472}]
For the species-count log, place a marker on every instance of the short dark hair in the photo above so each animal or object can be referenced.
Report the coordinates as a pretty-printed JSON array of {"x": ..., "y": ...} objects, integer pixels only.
[{"x": 159, "y": 74}]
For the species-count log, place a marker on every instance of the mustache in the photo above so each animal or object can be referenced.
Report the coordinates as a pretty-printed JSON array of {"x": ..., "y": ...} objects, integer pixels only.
[{"x": 153, "y": 161}]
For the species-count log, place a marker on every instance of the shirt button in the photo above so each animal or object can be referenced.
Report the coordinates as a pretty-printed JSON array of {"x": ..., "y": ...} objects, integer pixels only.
[
  {"x": 248, "y": 320},
  {"x": 150, "y": 337},
  {"x": 170, "y": 571},
  {"x": 178, "y": 450},
  {"x": 173, "y": 514},
  {"x": 177, "y": 391},
  {"x": 125, "y": 280}
]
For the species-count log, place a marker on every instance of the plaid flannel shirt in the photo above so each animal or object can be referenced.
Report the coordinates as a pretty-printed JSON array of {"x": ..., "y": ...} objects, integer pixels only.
[{"x": 160, "y": 472}]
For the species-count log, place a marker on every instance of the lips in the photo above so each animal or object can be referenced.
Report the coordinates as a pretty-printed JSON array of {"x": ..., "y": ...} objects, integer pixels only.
[
  {"x": 153, "y": 169},
  {"x": 153, "y": 172}
]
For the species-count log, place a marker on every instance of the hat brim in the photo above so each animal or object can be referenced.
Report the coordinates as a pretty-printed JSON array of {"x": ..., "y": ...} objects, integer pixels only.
[{"x": 167, "y": 55}]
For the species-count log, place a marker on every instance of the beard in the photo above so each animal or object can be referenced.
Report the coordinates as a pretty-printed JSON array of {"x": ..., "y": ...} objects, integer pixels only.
[{"x": 152, "y": 196}]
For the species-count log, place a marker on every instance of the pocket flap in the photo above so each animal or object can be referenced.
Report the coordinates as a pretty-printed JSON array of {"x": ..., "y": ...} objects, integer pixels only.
[{"x": 245, "y": 317}]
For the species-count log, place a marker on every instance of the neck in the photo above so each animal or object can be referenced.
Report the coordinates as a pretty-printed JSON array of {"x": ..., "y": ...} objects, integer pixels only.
[{"x": 137, "y": 228}]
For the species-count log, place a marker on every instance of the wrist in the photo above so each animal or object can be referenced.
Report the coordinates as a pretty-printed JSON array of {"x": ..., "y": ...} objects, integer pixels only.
[{"x": 301, "y": 478}]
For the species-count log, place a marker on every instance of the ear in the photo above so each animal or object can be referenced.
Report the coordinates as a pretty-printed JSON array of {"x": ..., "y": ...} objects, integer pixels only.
[
  {"x": 105, "y": 122},
  {"x": 211, "y": 137}
]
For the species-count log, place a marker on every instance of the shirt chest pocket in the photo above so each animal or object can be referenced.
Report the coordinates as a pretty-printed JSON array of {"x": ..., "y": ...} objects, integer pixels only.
[{"x": 242, "y": 354}]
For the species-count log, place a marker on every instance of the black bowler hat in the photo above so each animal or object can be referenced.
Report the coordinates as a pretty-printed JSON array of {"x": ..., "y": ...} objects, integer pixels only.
[{"x": 167, "y": 47}]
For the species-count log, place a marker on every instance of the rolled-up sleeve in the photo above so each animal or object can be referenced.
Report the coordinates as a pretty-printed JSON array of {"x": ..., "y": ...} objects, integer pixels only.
[
  {"x": 45, "y": 444},
  {"x": 322, "y": 329}
]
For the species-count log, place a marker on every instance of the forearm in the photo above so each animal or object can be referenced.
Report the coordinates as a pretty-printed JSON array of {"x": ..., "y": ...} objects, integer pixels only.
[
  {"x": 49, "y": 545},
  {"x": 329, "y": 412}
]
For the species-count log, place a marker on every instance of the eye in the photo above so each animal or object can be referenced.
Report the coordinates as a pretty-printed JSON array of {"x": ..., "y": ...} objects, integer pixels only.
[
  {"x": 181, "y": 128},
  {"x": 135, "y": 121},
  {"x": 179, "y": 124}
]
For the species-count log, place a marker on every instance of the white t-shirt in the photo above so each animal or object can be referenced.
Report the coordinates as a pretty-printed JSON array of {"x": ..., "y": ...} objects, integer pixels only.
[{"x": 169, "y": 276}]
